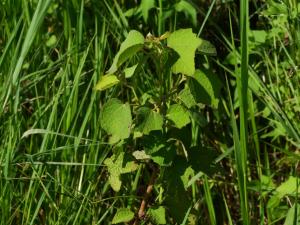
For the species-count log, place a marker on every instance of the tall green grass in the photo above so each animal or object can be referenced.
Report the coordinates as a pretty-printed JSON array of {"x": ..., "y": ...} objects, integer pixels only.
[
  {"x": 51, "y": 175},
  {"x": 241, "y": 146}
]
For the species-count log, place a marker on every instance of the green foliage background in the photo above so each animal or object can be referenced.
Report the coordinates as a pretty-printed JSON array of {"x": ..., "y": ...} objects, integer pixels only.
[{"x": 218, "y": 144}]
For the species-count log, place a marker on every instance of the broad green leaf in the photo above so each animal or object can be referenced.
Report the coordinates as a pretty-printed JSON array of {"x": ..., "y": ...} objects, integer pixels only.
[
  {"x": 179, "y": 115},
  {"x": 290, "y": 217},
  {"x": 206, "y": 87},
  {"x": 288, "y": 187},
  {"x": 150, "y": 120},
  {"x": 116, "y": 119},
  {"x": 130, "y": 71},
  {"x": 123, "y": 215},
  {"x": 129, "y": 167},
  {"x": 115, "y": 166},
  {"x": 133, "y": 43},
  {"x": 145, "y": 7},
  {"x": 157, "y": 215},
  {"x": 273, "y": 202},
  {"x": 187, "y": 98},
  {"x": 207, "y": 48},
  {"x": 185, "y": 43},
  {"x": 188, "y": 9},
  {"x": 115, "y": 182},
  {"x": 106, "y": 82}
]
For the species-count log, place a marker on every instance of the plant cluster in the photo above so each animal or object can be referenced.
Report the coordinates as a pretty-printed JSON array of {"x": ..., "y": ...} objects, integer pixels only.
[{"x": 150, "y": 128}]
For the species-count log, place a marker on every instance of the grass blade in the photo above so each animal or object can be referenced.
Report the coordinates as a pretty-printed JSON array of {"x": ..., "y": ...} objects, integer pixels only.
[{"x": 242, "y": 85}]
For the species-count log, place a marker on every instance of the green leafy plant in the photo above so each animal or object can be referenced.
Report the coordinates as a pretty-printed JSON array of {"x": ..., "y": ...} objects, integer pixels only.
[{"x": 150, "y": 116}]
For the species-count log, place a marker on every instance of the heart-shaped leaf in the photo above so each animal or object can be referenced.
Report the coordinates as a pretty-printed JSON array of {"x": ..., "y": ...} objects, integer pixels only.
[{"x": 185, "y": 43}]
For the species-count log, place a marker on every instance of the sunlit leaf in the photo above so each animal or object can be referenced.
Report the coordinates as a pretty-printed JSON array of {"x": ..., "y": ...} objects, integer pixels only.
[
  {"x": 179, "y": 115},
  {"x": 273, "y": 202},
  {"x": 185, "y": 43},
  {"x": 291, "y": 217},
  {"x": 157, "y": 215},
  {"x": 116, "y": 119},
  {"x": 123, "y": 215},
  {"x": 115, "y": 166},
  {"x": 186, "y": 177},
  {"x": 106, "y": 82},
  {"x": 288, "y": 187},
  {"x": 132, "y": 44},
  {"x": 130, "y": 71}
]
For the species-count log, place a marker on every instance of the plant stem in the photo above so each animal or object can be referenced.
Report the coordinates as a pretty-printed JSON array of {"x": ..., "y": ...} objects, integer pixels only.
[{"x": 143, "y": 206}]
